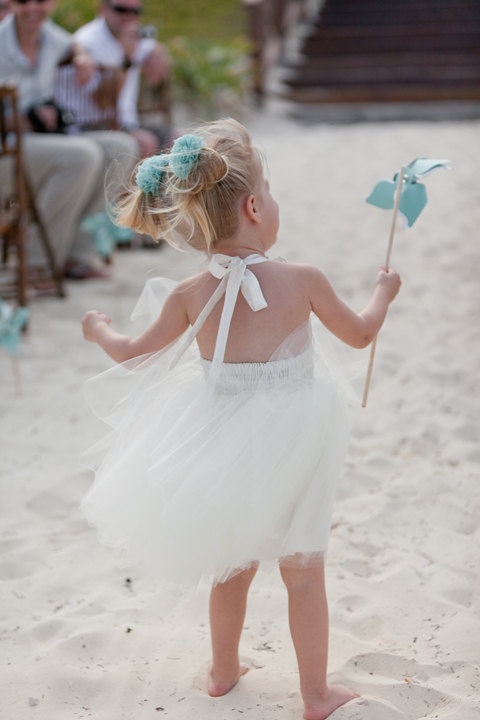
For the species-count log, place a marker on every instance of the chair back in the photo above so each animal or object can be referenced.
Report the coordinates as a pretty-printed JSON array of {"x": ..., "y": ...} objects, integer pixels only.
[
  {"x": 18, "y": 208},
  {"x": 156, "y": 100},
  {"x": 13, "y": 197},
  {"x": 12, "y": 189}
]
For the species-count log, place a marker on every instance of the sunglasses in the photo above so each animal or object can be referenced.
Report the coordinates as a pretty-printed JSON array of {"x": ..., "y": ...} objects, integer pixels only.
[
  {"x": 24, "y": 2},
  {"x": 121, "y": 9}
]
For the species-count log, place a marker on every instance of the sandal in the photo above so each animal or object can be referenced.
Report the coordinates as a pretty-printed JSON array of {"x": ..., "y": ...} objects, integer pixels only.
[{"x": 78, "y": 270}]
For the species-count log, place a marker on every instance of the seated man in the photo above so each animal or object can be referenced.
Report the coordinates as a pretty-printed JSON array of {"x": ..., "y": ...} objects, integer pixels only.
[
  {"x": 114, "y": 39},
  {"x": 66, "y": 172}
]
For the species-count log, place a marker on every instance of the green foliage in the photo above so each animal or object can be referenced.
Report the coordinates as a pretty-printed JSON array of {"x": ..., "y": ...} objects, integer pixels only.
[
  {"x": 202, "y": 70},
  {"x": 213, "y": 20},
  {"x": 71, "y": 14},
  {"x": 205, "y": 39},
  {"x": 217, "y": 21}
]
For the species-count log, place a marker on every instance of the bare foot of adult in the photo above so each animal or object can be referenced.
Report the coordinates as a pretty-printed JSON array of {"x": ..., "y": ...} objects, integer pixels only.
[
  {"x": 221, "y": 686},
  {"x": 335, "y": 697}
]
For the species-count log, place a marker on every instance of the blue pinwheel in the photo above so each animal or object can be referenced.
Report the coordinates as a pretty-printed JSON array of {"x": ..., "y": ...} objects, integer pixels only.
[
  {"x": 106, "y": 235},
  {"x": 406, "y": 195},
  {"x": 12, "y": 322},
  {"x": 413, "y": 196}
]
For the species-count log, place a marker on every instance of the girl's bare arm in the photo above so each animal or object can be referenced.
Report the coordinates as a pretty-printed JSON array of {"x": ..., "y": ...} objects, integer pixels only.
[
  {"x": 355, "y": 329},
  {"x": 171, "y": 323}
]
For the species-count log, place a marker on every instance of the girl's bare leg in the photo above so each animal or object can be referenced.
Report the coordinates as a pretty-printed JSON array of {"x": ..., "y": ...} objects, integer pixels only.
[
  {"x": 308, "y": 616},
  {"x": 228, "y": 604}
]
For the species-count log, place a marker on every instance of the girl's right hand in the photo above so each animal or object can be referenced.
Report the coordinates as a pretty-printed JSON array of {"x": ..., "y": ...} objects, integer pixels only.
[
  {"x": 390, "y": 281},
  {"x": 92, "y": 322}
]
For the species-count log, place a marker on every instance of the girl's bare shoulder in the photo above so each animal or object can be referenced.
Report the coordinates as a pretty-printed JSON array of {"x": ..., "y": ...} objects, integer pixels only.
[
  {"x": 193, "y": 283},
  {"x": 298, "y": 275},
  {"x": 194, "y": 291},
  {"x": 299, "y": 272}
]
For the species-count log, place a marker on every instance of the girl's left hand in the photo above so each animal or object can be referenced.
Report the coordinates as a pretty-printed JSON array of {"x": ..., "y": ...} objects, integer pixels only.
[{"x": 92, "y": 322}]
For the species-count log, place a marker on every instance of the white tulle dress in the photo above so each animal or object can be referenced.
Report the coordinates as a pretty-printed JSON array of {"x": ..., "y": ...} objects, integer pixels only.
[{"x": 211, "y": 466}]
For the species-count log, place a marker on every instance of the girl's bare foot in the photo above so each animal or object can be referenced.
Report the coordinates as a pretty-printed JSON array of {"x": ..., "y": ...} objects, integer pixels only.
[
  {"x": 335, "y": 697},
  {"x": 219, "y": 687}
]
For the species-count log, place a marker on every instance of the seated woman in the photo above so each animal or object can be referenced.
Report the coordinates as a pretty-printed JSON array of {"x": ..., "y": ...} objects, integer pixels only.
[{"x": 66, "y": 172}]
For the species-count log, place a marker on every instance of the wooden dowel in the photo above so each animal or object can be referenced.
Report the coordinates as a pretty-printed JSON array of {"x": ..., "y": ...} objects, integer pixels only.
[{"x": 398, "y": 194}]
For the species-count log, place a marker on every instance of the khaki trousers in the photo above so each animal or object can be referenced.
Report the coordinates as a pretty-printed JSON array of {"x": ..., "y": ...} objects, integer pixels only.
[{"x": 67, "y": 174}]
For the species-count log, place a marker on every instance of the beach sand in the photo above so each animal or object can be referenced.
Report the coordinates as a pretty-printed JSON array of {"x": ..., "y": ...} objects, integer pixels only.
[{"x": 83, "y": 637}]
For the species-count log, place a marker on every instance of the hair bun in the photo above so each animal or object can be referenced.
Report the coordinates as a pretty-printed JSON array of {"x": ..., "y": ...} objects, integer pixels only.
[
  {"x": 192, "y": 191},
  {"x": 211, "y": 168}
]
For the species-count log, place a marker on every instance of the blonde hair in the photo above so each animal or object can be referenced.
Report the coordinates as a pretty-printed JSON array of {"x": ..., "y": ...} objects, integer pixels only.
[{"x": 203, "y": 208}]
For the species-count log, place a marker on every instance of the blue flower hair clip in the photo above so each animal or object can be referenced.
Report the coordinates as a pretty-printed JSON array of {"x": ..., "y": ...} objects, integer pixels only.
[
  {"x": 184, "y": 154},
  {"x": 150, "y": 173}
]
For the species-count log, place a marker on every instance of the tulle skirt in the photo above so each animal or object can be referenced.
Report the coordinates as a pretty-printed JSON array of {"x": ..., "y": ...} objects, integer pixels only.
[{"x": 200, "y": 479}]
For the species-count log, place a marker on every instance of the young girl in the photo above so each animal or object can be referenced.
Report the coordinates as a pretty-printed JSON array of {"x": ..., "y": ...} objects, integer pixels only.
[{"x": 226, "y": 454}]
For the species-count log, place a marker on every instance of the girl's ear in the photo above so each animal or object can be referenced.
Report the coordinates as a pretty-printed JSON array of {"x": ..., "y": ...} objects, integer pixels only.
[{"x": 252, "y": 210}]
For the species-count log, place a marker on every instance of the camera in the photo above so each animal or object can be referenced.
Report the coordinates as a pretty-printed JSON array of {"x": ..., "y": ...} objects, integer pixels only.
[
  {"x": 148, "y": 31},
  {"x": 64, "y": 118}
]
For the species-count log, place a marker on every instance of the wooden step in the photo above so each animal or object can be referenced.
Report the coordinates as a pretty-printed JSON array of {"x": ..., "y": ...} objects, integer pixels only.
[
  {"x": 389, "y": 51},
  {"x": 330, "y": 15},
  {"x": 359, "y": 7},
  {"x": 386, "y": 59},
  {"x": 460, "y": 28},
  {"x": 378, "y": 74},
  {"x": 386, "y": 93},
  {"x": 394, "y": 42}
]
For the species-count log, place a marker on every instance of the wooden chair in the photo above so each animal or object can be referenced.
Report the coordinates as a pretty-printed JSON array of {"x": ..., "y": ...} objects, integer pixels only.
[
  {"x": 156, "y": 101},
  {"x": 18, "y": 208}
]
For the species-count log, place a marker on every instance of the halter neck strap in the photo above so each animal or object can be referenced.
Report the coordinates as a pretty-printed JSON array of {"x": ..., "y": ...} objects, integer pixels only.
[{"x": 235, "y": 277}]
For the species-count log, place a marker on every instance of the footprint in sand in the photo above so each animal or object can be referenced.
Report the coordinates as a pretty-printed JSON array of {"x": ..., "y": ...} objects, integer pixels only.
[
  {"x": 200, "y": 680},
  {"x": 51, "y": 505},
  {"x": 450, "y": 585},
  {"x": 392, "y": 687},
  {"x": 355, "y": 614},
  {"x": 369, "y": 708},
  {"x": 20, "y": 558}
]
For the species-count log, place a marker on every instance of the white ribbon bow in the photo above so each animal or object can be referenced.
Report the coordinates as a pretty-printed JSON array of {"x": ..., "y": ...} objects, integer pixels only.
[{"x": 234, "y": 277}]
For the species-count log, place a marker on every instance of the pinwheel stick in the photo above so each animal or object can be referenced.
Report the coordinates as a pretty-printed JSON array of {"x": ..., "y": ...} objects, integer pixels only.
[{"x": 398, "y": 194}]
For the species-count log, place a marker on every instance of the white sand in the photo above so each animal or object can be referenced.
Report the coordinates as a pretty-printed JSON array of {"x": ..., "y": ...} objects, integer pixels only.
[{"x": 78, "y": 641}]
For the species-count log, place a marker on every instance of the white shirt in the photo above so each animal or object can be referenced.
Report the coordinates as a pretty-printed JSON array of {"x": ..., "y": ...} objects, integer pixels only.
[
  {"x": 105, "y": 49},
  {"x": 35, "y": 82}
]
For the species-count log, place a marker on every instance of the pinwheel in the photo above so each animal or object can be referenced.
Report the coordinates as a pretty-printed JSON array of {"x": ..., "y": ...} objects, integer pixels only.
[
  {"x": 405, "y": 195},
  {"x": 106, "y": 234},
  {"x": 12, "y": 322}
]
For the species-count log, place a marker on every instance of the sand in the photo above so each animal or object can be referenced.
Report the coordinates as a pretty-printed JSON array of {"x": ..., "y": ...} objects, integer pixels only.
[{"x": 83, "y": 637}]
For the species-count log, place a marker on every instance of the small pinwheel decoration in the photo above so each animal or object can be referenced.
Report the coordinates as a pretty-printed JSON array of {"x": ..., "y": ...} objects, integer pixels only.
[
  {"x": 12, "y": 322},
  {"x": 405, "y": 195},
  {"x": 413, "y": 196},
  {"x": 106, "y": 235}
]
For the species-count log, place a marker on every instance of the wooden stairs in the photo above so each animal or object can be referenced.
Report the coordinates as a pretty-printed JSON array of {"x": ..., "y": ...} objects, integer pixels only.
[{"x": 388, "y": 51}]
